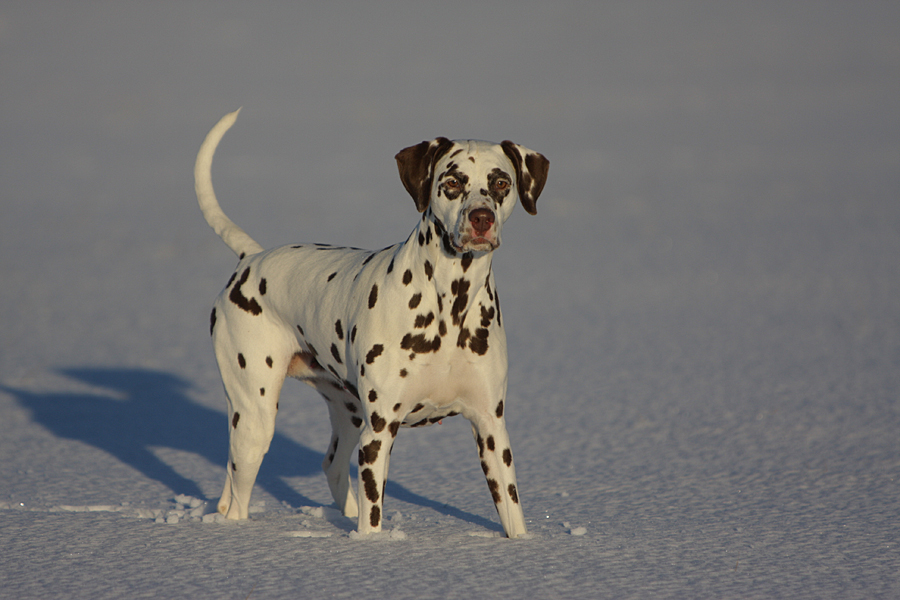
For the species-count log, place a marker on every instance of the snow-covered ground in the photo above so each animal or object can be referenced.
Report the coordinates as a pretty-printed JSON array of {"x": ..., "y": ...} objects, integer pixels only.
[{"x": 704, "y": 317}]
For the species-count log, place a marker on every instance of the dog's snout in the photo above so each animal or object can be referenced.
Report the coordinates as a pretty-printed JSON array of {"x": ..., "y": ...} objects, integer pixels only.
[{"x": 482, "y": 219}]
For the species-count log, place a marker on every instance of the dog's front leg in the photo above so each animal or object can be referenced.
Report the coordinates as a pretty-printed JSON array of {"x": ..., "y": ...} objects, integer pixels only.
[
  {"x": 497, "y": 464},
  {"x": 375, "y": 444}
]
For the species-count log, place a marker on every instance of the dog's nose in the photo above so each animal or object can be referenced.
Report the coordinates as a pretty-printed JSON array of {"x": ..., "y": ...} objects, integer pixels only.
[{"x": 482, "y": 219}]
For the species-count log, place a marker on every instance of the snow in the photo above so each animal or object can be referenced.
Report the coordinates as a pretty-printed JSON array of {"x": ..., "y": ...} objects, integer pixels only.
[{"x": 703, "y": 318}]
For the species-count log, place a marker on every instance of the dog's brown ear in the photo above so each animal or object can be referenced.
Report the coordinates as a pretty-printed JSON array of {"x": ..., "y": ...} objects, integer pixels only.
[
  {"x": 416, "y": 165},
  {"x": 531, "y": 173}
]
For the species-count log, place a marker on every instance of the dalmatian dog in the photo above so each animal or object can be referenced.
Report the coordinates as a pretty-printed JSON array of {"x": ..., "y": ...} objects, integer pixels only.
[{"x": 400, "y": 337}]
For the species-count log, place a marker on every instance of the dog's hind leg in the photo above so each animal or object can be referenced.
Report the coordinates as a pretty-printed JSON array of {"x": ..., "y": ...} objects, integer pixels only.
[
  {"x": 344, "y": 437},
  {"x": 253, "y": 383}
]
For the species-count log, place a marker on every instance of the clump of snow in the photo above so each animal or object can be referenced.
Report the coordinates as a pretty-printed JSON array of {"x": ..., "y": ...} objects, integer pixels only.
[
  {"x": 185, "y": 500},
  {"x": 213, "y": 518},
  {"x": 309, "y": 534},
  {"x": 313, "y": 511},
  {"x": 485, "y": 534},
  {"x": 574, "y": 530},
  {"x": 392, "y": 535}
]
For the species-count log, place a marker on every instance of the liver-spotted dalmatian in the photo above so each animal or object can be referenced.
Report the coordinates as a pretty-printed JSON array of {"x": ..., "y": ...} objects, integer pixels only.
[{"x": 399, "y": 337}]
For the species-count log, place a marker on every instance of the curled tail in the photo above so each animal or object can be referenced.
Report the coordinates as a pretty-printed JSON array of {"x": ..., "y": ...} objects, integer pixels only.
[{"x": 236, "y": 238}]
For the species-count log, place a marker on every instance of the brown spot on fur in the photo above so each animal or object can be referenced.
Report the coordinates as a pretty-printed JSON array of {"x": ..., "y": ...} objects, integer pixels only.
[
  {"x": 235, "y": 419},
  {"x": 368, "y": 454},
  {"x": 423, "y": 321},
  {"x": 369, "y": 485},
  {"x": 479, "y": 343},
  {"x": 460, "y": 289},
  {"x": 419, "y": 345},
  {"x": 463, "y": 337},
  {"x": 378, "y": 422},
  {"x": 248, "y": 304},
  {"x": 487, "y": 315},
  {"x": 374, "y": 353},
  {"x": 495, "y": 490}
]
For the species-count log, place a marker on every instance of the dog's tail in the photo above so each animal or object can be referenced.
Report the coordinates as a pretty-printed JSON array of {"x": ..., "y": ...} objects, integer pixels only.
[{"x": 236, "y": 238}]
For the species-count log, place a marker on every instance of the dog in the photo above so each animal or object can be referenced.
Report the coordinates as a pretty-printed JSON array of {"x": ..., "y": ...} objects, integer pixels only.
[{"x": 404, "y": 336}]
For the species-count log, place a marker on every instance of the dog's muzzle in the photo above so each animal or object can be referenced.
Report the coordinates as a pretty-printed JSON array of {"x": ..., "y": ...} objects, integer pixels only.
[
  {"x": 482, "y": 219},
  {"x": 479, "y": 233}
]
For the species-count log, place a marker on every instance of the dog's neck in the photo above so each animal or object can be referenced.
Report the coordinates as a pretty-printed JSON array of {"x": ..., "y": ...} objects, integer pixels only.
[{"x": 449, "y": 267}]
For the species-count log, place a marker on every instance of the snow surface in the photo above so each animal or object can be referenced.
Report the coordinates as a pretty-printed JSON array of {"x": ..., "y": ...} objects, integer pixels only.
[{"x": 704, "y": 317}]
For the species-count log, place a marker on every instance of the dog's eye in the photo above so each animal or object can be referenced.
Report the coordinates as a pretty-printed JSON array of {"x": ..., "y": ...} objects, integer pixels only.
[
  {"x": 501, "y": 185},
  {"x": 451, "y": 184}
]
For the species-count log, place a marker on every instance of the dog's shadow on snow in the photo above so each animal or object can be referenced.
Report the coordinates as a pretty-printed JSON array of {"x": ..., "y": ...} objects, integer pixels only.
[{"x": 144, "y": 409}]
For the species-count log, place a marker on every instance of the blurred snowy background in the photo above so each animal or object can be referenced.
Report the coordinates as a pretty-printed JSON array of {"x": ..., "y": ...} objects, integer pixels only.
[{"x": 704, "y": 316}]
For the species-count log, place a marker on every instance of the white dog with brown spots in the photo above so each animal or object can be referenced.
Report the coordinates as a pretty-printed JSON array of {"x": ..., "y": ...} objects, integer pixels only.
[{"x": 404, "y": 336}]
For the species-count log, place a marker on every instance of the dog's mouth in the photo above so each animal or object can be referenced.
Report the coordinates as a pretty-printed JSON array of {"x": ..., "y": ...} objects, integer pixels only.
[{"x": 470, "y": 243}]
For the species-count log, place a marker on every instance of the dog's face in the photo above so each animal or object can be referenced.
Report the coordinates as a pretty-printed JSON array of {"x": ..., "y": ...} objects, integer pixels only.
[{"x": 470, "y": 186}]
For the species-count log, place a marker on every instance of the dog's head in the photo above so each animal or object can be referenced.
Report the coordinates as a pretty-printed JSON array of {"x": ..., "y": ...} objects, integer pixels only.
[{"x": 470, "y": 186}]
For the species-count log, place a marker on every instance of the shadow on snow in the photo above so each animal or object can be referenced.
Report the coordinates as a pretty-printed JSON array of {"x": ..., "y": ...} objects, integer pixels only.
[{"x": 151, "y": 409}]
